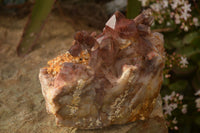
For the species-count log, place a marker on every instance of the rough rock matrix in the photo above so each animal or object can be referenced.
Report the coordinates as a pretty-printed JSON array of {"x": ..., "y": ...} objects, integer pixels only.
[{"x": 111, "y": 78}]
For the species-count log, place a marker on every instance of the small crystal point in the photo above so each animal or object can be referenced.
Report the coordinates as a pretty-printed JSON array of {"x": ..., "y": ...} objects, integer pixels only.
[{"x": 111, "y": 22}]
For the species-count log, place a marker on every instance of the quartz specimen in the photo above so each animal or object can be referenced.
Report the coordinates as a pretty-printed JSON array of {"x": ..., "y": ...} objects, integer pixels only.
[{"x": 112, "y": 78}]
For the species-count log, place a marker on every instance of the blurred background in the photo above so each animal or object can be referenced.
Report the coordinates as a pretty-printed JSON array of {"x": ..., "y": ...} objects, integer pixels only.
[{"x": 34, "y": 31}]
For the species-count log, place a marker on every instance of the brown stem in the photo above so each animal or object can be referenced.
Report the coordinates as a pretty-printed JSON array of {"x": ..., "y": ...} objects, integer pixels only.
[{"x": 163, "y": 30}]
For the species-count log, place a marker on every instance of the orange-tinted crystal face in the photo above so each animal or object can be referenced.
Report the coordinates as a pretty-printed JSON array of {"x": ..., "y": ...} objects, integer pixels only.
[{"x": 55, "y": 64}]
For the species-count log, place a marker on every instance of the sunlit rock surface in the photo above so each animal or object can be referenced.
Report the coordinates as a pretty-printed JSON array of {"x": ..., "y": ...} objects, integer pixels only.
[{"x": 108, "y": 79}]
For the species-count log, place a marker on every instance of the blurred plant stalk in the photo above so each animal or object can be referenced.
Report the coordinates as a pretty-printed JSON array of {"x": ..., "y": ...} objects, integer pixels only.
[
  {"x": 133, "y": 8},
  {"x": 34, "y": 25}
]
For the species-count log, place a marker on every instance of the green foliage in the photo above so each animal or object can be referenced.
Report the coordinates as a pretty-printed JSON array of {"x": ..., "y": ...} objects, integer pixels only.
[
  {"x": 197, "y": 120},
  {"x": 35, "y": 23},
  {"x": 195, "y": 83},
  {"x": 178, "y": 85},
  {"x": 179, "y": 44},
  {"x": 188, "y": 38},
  {"x": 185, "y": 80},
  {"x": 133, "y": 8}
]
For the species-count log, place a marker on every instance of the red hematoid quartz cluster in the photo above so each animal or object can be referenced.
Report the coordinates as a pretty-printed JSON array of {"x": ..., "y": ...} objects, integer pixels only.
[{"x": 112, "y": 78}]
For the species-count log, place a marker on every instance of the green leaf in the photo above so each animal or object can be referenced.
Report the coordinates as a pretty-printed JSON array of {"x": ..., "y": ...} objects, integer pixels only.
[
  {"x": 168, "y": 46},
  {"x": 189, "y": 37},
  {"x": 195, "y": 57},
  {"x": 198, "y": 75},
  {"x": 188, "y": 51},
  {"x": 196, "y": 42},
  {"x": 177, "y": 43},
  {"x": 197, "y": 120},
  {"x": 178, "y": 85},
  {"x": 166, "y": 81},
  {"x": 195, "y": 83},
  {"x": 133, "y": 8},
  {"x": 34, "y": 25}
]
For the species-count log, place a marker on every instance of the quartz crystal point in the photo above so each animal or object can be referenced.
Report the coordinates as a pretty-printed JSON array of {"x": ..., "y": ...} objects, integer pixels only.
[{"x": 112, "y": 78}]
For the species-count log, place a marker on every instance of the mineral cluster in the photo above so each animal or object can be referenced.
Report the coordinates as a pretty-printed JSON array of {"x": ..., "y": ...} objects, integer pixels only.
[{"x": 106, "y": 79}]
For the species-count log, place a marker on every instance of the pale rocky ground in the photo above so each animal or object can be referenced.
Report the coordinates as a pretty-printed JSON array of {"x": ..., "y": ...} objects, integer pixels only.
[{"x": 22, "y": 106}]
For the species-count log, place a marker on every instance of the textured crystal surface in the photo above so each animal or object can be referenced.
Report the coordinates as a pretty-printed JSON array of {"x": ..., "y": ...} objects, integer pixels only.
[{"x": 112, "y": 78}]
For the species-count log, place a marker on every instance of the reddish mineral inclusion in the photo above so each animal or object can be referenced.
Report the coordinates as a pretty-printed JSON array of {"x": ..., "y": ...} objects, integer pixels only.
[{"x": 112, "y": 78}]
